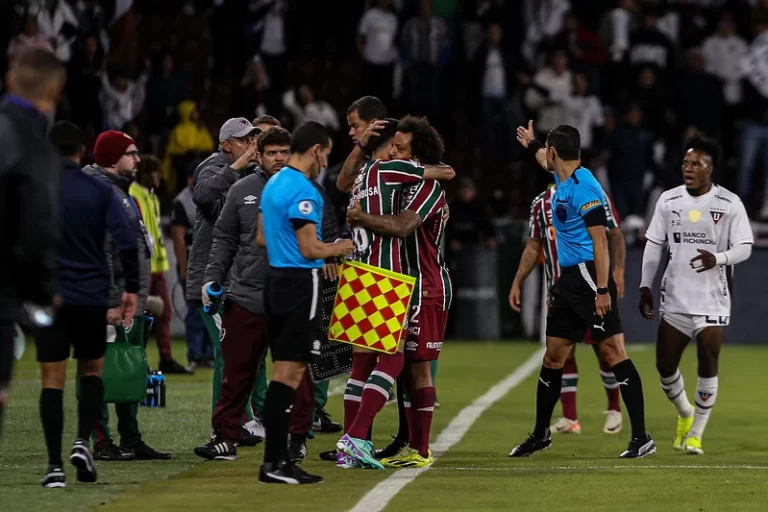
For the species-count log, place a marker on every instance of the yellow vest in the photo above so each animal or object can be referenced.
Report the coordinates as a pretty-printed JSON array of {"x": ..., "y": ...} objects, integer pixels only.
[{"x": 150, "y": 214}]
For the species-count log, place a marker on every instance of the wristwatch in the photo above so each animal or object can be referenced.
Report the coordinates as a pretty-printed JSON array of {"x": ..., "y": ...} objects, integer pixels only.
[{"x": 603, "y": 290}]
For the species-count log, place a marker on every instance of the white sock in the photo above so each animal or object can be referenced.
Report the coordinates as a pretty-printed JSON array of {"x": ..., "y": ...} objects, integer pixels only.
[
  {"x": 674, "y": 387},
  {"x": 706, "y": 394}
]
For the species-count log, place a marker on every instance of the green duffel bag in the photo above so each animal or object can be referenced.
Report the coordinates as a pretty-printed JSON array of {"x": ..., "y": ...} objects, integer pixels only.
[{"x": 125, "y": 373}]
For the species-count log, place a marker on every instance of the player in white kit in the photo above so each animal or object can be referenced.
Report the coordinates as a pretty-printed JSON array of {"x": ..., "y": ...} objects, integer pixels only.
[{"x": 706, "y": 231}]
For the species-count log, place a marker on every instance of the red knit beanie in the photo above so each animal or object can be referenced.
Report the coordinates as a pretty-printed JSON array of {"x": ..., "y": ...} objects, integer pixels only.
[{"x": 110, "y": 147}]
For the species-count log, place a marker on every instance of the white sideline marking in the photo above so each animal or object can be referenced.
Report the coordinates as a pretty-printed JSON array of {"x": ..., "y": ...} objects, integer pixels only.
[
  {"x": 337, "y": 389},
  {"x": 576, "y": 468},
  {"x": 377, "y": 498}
]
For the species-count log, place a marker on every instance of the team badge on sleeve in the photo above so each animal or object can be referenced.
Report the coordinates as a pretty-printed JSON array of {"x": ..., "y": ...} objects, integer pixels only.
[{"x": 305, "y": 207}]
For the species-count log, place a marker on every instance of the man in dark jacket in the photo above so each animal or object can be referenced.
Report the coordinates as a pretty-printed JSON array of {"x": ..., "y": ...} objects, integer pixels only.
[
  {"x": 116, "y": 159},
  {"x": 243, "y": 327},
  {"x": 212, "y": 179},
  {"x": 29, "y": 179},
  {"x": 89, "y": 209}
]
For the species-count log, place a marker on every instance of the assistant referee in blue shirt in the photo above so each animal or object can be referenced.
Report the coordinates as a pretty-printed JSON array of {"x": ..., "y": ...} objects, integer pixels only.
[
  {"x": 290, "y": 226},
  {"x": 584, "y": 296}
]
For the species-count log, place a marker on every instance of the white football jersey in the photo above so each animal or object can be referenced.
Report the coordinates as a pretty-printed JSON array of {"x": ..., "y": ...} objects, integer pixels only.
[{"x": 714, "y": 222}]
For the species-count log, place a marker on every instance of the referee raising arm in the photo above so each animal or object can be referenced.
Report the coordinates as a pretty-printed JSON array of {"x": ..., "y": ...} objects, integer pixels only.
[{"x": 290, "y": 226}]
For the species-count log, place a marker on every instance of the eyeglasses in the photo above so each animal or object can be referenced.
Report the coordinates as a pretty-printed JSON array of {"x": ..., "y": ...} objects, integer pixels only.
[{"x": 131, "y": 153}]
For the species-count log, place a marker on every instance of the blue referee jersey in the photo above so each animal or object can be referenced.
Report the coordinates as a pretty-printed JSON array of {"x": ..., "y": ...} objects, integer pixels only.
[
  {"x": 288, "y": 202},
  {"x": 575, "y": 197}
]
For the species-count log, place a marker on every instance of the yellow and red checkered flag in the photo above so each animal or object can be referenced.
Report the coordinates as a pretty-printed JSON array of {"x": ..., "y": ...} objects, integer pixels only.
[{"x": 371, "y": 307}]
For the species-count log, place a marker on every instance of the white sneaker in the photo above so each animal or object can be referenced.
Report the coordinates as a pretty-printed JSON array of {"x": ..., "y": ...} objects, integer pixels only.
[
  {"x": 256, "y": 428},
  {"x": 566, "y": 426},
  {"x": 613, "y": 422}
]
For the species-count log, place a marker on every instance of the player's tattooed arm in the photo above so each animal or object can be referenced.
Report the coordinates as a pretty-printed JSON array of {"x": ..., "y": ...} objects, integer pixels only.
[
  {"x": 619, "y": 257},
  {"x": 528, "y": 262},
  {"x": 346, "y": 180},
  {"x": 439, "y": 172},
  {"x": 398, "y": 226}
]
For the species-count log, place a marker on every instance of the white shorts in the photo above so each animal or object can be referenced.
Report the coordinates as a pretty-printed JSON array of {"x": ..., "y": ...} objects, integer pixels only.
[{"x": 691, "y": 325}]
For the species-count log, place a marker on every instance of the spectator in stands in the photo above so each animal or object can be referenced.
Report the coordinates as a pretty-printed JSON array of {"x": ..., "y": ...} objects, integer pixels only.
[
  {"x": 723, "y": 52},
  {"x": 470, "y": 225},
  {"x": 273, "y": 46},
  {"x": 256, "y": 97},
  {"x": 615, "y": 29},
  {"x": 199, "y": 345},
  {"x": 30, "y": 37},
  {"x": 584, "y": 112},
  {"x": 188, "y": 141},
  {"x": 585, "y": 51},
  {"x": 84, "y": 84},
  {"x": 650, "y": 47},
  {"x": 425, "y": 49},
  {"x": 303, "y": 105},
  {"x": 376, "y": 44},
  {"x": 166, "y": 88},
  {"x": 628, "y": 154},
  {"x": 544, "y": 20},
  {"x": 549, "y": 89},
  {"x": 655, "y": 101},
  {"x": 143, "y": 193},
  {"x": 121, "y": 99},
  {"x": 92, "y": 21},
  {"x": 59, "y": 24},
  {"x": 701, "y": 96}
]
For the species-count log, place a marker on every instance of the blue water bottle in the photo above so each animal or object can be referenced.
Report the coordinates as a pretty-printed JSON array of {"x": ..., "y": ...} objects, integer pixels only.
[{"x": 215, "y": 292}]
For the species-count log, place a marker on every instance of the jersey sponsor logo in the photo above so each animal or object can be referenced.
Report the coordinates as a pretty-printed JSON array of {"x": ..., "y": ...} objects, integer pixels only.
[
  {"x": 435, "y": 345},
  {"x": 694, "y": 237},
  {"x": 716, "y": 215},
  {"x": 414, "y": 331},
  {"x": 591, "y": 204},
  {"x": 250, "y": 199},
  {"x": 561, "y": 212},
  {"x": 694, "y": 216},
  {"x": 367, "y": 192},
  {"x": 676, "y": 237},
  {"x": 673, "y": 198},
  {"x": 305, "y": 207}
]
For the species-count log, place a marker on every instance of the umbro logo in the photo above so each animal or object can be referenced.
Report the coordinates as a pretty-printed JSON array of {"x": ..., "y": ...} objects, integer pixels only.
[{"x": 250, "y": 199}]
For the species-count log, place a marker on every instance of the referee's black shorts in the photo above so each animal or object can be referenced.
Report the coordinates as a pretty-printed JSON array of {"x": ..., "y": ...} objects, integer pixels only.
[
  {"x": 293, "y": 313},
  {"x": 83, "y": 328},
  {"x": 572, "y": 310}
]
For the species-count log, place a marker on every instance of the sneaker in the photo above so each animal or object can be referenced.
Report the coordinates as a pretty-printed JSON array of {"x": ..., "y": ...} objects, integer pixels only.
[
  {"x": 82, "y": 459},
  {"x": 566, "y": 426},
  {"x": 256, "y": 427},
  {"x": 247, "y": 438},
  {"x": 54, "y": 478},
  {"x": 639, "y": 447},
  {"x": 108, "y": 451},
  {"x": 297, "y": 448},
  {"x": 391, "y": 449},
  {"x": 143, "y": 451},
  {"x": 329, "y": 456},
  {"x": 683, "y": 427},
  {"x": 324, "y": 423},
  {"x": 170, "y": 366},
  {"x": 693, "y": 446},
  {"x": 408, "y": 458},
  {"x": 344, "y": 461},
  {"x": 359, "y": 449},
  {"x": 285, "y": 472},
  {"x": 613, "y": 422},
  {"x": 217, "y": 449},
  {"x": 531, "y": 445}
]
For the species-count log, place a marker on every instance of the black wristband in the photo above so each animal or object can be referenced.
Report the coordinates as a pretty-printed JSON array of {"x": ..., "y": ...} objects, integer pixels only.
[
  {"x": 534, "y": 146},
  {"x": 603, "y": 290}
]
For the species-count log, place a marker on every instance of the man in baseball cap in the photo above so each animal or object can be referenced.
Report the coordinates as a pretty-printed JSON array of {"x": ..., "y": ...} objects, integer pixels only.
[{"x": 237, "y": 128}]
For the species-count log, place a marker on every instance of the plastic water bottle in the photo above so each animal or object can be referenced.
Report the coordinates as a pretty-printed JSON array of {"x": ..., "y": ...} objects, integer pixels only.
[{"x": 215, "y": 292}]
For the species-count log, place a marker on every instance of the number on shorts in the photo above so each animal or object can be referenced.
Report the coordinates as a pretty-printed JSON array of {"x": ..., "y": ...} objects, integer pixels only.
[{"x": 361, "y": 238}]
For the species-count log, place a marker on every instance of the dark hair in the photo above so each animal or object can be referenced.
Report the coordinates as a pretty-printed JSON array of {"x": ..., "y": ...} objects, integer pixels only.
[
  {"x": 67, "y": 138},
  {"x": 306, "y": 135},
  {"x": 274, "y": 136},
  {"x": 33, "y": 69},
  {"x": 426, "y": 144},
  {"x": 566, "y": 141},
  {"x": 385, "y": 134},
  {"x": 368, "y": 108},
  {"x": 710, "y": 147},
  {"x": 149, "y": 164},
  {"x": 265, "y": 119}
]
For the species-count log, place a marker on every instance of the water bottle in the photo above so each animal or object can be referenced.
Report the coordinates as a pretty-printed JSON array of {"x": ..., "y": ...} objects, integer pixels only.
[
  {"x": 39, "y": 316},
  {"x": 215, "y": 292}
]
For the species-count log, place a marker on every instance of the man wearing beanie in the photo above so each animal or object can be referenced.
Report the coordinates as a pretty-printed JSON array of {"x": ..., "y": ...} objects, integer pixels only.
[
  {"x": 116, "y": 159},
  {"x": 235, "y": 159}
]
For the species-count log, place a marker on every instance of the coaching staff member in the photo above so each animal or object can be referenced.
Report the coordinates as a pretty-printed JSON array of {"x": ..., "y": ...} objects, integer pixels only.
[
  {"x": 89, "y": 209},
  {"x": 29, "y": 179},
  {"x": 290, "y": 228}
]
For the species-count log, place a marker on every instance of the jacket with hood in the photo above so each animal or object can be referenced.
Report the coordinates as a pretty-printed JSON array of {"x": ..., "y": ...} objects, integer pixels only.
[
  {"x": 120, "y": 185},
  {"x": 186, "y": 137}
]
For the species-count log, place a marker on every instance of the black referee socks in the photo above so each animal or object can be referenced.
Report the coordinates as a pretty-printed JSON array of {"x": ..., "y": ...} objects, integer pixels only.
[
  {"x": 632, "y": 392},
  {"x": 52, "y": 416},
  {"x": 277, "y": 419},
  {"x": 89, "y": 406},
  {"x": 547, "y": 395}
]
